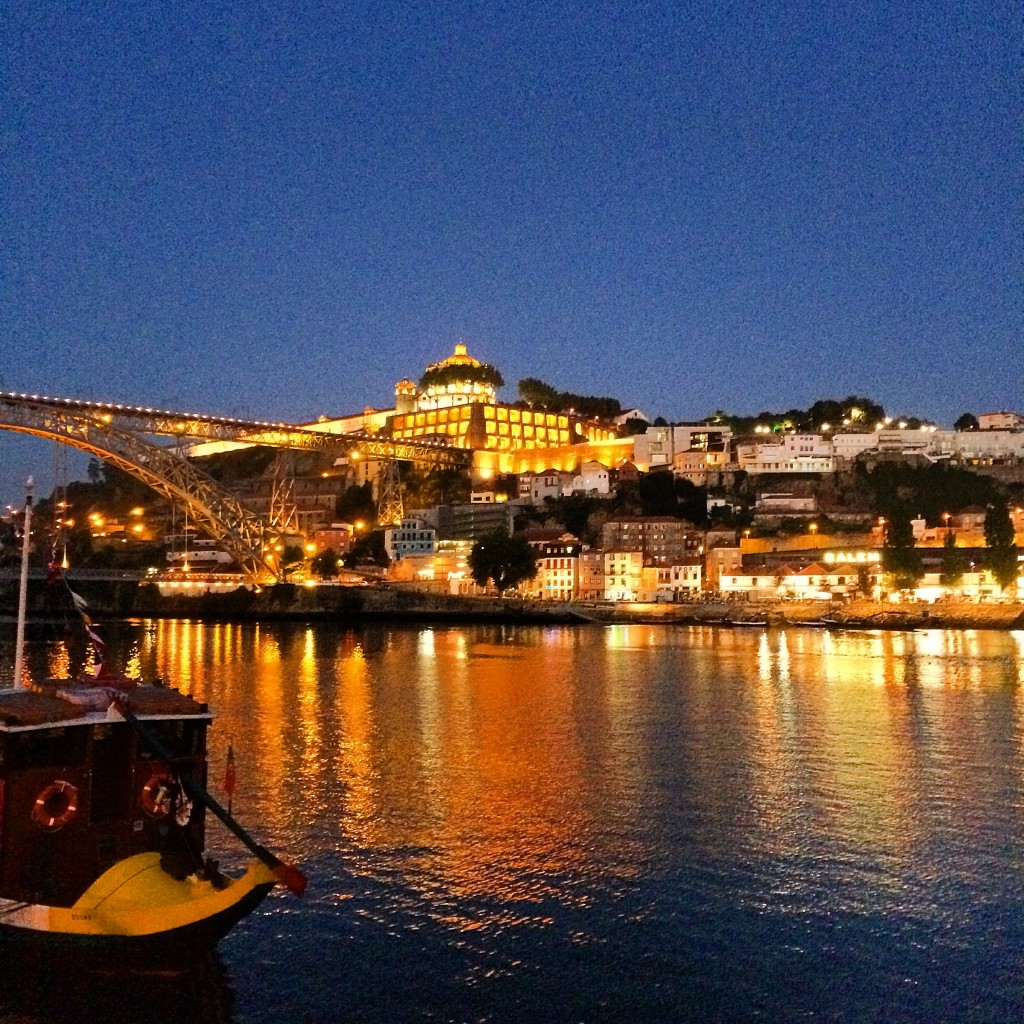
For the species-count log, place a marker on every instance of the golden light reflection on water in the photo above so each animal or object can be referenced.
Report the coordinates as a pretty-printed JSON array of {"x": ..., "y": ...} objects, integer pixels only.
[
  {"x": 59, "y": 660},
  {"x": 359, "y": 811},
  {"x": 484, "y": 765},
  {"x": 133, "y": 664}
]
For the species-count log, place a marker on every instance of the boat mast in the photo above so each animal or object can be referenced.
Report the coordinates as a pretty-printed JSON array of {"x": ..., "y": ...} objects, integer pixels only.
[{"x": 26, "y": 531}]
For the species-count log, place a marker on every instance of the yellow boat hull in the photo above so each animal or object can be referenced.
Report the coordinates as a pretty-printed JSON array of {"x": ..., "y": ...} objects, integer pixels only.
[{"x": 137, "y": 906}]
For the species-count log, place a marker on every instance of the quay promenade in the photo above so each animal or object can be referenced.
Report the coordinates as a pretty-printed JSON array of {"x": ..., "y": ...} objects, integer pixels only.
[{"x": 125, "y": 598}]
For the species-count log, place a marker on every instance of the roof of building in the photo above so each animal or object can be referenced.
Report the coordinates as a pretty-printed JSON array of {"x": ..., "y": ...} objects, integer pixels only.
[
  {"x": 460, "y": 357},
  {"x": 547, "y": 534}
]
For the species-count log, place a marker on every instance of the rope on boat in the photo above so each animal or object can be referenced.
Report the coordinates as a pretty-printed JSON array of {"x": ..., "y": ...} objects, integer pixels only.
[{"x": 287, "y": 874}]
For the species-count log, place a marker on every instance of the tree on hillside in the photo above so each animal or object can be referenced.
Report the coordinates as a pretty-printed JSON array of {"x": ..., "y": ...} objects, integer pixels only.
[
  {"x": 574, "y": 511},
  {"x": 849, "y": 411},
  {"x": 932, "y": 490},
  {"x": 853, "y": 411},
  {"x": 1002, "y": 551},
  {"x": 658, "y": 494},
  {"x": 664, "y": 494},
  {"x": 368, "y": 549},
  {"x": 900, "y": 558},
  {"x": 508, "y": 561},
  {"x": 436, "y": 485},
  {"x": 458, "y": 373},
  {"x": 634, "y": 426},
  {"x": 863, "y": 580},
  {"x": 536, "y": 393},
  {"x": 356, "y": 503},
  {"x": 291, "y": 558},
  {"x": 968, "y": 421},
  {"x": 954, "y": 563},
  {"x": 325, "y": 565}
]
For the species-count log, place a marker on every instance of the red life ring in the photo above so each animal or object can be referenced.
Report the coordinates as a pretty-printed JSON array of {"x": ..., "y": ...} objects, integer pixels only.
[
  {"x": 55, "y": 806},
  {"x": 155, "y": 798}
]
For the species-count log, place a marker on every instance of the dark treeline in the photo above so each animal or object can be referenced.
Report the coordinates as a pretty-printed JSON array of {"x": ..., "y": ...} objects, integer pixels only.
[
  {"x": 854, "y": 411},
  {"x": 536, "y": 393}
]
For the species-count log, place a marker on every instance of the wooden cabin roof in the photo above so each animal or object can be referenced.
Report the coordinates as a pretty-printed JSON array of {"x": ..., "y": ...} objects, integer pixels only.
[
  {"x": 74, "y": 704},
  {"x": 26, "y": 707}
]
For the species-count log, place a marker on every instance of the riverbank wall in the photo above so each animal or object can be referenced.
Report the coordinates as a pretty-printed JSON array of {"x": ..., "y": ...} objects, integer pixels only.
[{"x": 128, "y": 600}]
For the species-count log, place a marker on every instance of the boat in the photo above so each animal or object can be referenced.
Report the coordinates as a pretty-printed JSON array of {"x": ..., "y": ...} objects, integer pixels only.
[{"x": 103, "y": 808}]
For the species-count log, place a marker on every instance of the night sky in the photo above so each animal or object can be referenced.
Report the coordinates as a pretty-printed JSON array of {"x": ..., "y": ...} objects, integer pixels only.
[{"x": 279, "y": 210}]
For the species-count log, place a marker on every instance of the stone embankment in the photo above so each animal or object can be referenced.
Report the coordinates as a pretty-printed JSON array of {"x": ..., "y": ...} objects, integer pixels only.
[
  {"x": 357, "y": 603},
  {"x": 851, "y": 615}
]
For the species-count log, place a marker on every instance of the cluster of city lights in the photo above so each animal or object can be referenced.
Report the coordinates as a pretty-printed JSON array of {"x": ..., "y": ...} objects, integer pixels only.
[{"x": 826, "y": 428}]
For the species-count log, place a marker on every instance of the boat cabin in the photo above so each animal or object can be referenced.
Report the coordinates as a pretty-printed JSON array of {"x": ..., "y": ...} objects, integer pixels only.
[{"x": 80, "y": 790}]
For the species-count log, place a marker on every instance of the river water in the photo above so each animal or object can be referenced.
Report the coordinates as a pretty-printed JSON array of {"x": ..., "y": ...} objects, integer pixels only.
[{"x": 620, "y": 823}]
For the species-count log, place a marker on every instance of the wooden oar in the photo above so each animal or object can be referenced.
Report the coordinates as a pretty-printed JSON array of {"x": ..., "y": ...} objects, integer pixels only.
[{"x": 287, "y": 874}]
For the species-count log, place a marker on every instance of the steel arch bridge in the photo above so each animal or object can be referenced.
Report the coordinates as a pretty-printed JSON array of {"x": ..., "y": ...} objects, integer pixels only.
[{"x": 114, "y": 433}]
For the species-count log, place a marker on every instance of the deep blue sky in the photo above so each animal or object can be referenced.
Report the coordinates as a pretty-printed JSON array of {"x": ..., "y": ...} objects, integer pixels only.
[{"x": 278, "y": 210}]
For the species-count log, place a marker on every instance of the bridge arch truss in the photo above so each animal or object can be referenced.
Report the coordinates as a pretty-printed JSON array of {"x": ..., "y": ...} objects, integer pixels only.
[{"x": 238, "y": 530}]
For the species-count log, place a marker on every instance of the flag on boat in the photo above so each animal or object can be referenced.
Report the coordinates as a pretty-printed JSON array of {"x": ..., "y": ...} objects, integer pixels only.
[{"x": 97, "y": 641}]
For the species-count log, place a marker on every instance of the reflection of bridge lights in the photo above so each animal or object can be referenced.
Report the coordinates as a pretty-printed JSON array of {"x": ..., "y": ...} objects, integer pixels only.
[{"x": 59, "y": 661}]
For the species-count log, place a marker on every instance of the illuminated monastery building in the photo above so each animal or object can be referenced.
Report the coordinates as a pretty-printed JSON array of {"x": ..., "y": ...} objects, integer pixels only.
[{"x": 456, "y": 401}]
